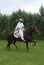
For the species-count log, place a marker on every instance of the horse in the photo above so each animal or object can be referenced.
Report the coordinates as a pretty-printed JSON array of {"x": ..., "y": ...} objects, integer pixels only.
[{"x": 27, "y": 36}]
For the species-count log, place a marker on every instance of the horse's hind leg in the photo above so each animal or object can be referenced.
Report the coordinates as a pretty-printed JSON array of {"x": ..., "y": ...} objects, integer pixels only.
[
  {"x": 8, "y": 45},
  {"x": 15, "y": 45}
]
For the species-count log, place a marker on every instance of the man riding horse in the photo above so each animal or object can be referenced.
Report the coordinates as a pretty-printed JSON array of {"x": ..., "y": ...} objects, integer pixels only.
[
  {"x": 18, "y": 33},
  {"x": 21, "y": 34}
]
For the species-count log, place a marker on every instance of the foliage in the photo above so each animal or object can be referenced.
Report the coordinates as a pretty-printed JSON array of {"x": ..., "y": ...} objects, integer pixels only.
[{"x": 8, "y": 22}]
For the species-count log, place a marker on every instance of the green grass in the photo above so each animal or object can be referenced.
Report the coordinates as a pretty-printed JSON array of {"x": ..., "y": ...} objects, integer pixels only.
[{"x": 35, "y": 55}]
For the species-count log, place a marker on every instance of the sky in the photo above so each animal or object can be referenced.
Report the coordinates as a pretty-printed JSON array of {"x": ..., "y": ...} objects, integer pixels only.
[{"x": 9, "y": 6}]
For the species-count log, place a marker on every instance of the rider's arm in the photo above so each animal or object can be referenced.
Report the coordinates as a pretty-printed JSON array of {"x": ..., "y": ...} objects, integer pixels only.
[{"x": 17, "y": 27}]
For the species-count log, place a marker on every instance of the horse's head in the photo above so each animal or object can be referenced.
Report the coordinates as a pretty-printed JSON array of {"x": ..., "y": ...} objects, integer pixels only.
[{"x": 34, "y": 28}]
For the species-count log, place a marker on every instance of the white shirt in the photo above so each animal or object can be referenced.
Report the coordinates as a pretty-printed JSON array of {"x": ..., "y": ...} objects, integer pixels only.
[
  {"x": 19, "y": 30},
  {"x": 20, "y": 25}
]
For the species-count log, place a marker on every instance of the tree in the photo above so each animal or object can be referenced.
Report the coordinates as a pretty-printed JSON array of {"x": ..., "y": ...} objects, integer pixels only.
[{"x": 41, "y": 10}]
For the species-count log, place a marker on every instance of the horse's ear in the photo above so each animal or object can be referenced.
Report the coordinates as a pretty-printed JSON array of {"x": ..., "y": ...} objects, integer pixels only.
[{"x": 34, "y": 22}]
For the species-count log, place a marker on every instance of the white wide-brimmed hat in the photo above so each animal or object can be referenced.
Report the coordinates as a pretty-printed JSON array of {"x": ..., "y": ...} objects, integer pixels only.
[{"x": 21, "y": 20}]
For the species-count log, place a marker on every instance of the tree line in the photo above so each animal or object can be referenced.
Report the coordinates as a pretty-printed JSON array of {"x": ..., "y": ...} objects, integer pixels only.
[{"x": 8, "y": 22}]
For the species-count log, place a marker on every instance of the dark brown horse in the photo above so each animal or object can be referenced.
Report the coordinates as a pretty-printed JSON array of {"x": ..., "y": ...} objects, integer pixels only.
[{"x": 27, "y": 36}]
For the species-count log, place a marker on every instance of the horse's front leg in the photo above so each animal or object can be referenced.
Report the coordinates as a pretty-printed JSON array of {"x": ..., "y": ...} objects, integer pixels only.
[
  {"x": 34, "y": 43},
  {"x": 27, "y": 46}
]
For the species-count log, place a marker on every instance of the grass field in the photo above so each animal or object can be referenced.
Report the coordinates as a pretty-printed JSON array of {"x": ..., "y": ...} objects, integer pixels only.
[{"x": 35, "y": 55}]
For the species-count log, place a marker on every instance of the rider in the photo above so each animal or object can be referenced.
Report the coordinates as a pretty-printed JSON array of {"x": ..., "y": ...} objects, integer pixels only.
[{"x": 19, "y": 29}]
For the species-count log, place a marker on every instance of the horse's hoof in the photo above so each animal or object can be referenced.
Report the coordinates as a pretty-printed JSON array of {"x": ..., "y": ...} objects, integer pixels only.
[{"x": 33, "y": 44}]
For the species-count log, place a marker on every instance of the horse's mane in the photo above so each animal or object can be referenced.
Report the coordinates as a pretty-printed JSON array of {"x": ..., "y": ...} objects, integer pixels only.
[{"x": 29, "y": 27}]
